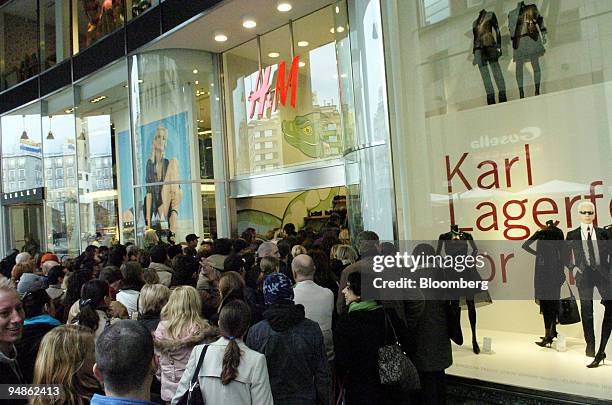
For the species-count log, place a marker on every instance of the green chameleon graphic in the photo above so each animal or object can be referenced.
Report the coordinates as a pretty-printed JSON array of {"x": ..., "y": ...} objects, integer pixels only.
[{"x": 314, "y": 134}]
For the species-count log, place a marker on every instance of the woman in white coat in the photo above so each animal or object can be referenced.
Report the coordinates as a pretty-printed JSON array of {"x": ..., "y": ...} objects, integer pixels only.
[{"x": 231, "y": 373}]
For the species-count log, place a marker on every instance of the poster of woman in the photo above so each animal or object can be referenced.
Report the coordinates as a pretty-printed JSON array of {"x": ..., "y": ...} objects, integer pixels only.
[{"x": 164, "y": 165}]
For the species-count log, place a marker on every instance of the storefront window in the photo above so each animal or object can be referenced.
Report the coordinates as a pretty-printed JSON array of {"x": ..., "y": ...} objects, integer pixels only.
[
  {"x": 59, "y": 146},
  {"x": 97, "y": 18},
  {"x": 267, "y": 135},
  {"x": 19, "y": 42},
  {"x": 501, "y": 127},
  {"x": 173, "y": 95},
  {"x": 55, "y": 45},
  {"x": 102, "y": 117}
]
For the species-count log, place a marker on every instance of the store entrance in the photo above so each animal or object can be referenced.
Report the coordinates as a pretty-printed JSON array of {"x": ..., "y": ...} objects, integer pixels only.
[{"x": 25, "y": 227}]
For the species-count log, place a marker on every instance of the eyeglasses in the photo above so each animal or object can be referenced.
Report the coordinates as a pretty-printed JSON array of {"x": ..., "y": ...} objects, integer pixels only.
[{"x": 586, "y": 212}]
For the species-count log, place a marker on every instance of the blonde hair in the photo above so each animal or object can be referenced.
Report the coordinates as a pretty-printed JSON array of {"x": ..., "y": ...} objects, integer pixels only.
[
  {"x": 152, "y": 298},
  {"x": 183, "y": 311},
  {"x": 150, "y": 237},
  {"x": 150, "y": 276},
  {"x": 344, "y": 236},
  {"x": 6, "y": 284},
  {"x": 62, "y": 354},
  {"x": 160, "y": 130},
  {"x": 298, "y": 250},
  {"x": 269, "y": 265},
  {"x": 344, "y": 253}
]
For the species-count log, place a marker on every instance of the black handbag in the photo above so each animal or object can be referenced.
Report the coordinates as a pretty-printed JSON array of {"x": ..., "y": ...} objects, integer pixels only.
[
  {"x": 453, "y": 321},
  {"x": 394, "y": 366},
  {"x": 568, "y": 309},
  {"x": 193, "y": 396}
]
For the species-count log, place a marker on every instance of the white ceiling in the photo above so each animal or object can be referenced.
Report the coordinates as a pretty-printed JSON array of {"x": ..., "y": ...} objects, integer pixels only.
[{"x": 227, "y": 18}]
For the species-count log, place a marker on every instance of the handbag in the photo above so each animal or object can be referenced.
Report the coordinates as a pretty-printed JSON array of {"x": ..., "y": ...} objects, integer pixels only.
[
  {"x": 568, "y": 309},
  {"x": 453, "y": 321},
  {"x": 394, "y": 366},
  {"x": 193, "y": 396}
]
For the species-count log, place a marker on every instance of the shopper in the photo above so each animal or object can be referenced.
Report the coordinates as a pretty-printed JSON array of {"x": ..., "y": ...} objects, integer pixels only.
[
  {"x": 39, "y": 311},
  {"x": 231, "y": 372},
  {"x": 75, "y": 283},
  {"x": 152, "y": 299},
  {"x": 91, "y": 310},
  {"x": 131, "y": 284},
  {"x": 359, "y": 334},
  {"x": 11, "y": 327},
  {"x": 293, "y": 345},
  {"x": 341, "y": 256},
  {"x": 66, "y": 358},
  {"x": 185, "y": 271},
  {"x": 180, "y": 329},
  {"x": 318, "y": 301},
  {"x": 127, "y": 369},
  {"x": 159, "y": 256}
]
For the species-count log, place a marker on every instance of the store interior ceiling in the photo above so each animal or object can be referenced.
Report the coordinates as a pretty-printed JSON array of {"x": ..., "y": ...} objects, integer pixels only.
[{"x": 224, "y": 19}]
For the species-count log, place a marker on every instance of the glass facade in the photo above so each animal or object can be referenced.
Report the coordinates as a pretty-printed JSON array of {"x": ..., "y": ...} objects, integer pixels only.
[{"x": 500, "y": 116}]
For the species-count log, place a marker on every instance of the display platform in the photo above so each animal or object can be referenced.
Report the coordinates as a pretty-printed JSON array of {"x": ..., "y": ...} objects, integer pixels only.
[{"x": 516, "y": 360}]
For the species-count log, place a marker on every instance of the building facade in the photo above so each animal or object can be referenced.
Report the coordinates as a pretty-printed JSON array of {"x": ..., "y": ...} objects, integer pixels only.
[{"x": 403, "y": 117}]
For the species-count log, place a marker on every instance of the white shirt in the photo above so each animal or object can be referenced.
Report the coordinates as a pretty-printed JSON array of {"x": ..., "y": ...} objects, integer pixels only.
[
  {"x": 585, "y": 246},
  {"x": 318, "y": 305},
  {"x": 129, "y": 298}
]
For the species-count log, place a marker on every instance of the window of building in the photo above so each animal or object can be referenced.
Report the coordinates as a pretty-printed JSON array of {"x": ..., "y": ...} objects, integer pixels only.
[
  {"x": 11, "y": 175},
  {"x": 269, "y": 156},
  {"x": 257, "y": 157},
  {"x": 12, "y": 163},
  {"x": 21, "y": 162},
  {"x": 268, "y": 145},
  {"x": 435, "y": 11},
  {"x": 268, "y": 133},
  {"x": 257, "y": 145},
  {"x": 59, "y": 172},
  {"x": 22, "y": 185},
  {"x": 49, "y": 172},
  {"x": 257, "y": 134},
  {"x": 70, "y": 171},
  {"x": 21, "y": 174},
  {"x": 60, "y": 183},
  {"x": 58, "y": 161}
]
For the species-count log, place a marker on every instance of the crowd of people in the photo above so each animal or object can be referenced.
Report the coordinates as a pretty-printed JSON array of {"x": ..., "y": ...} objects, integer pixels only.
[{"x": 247, "y": 320}]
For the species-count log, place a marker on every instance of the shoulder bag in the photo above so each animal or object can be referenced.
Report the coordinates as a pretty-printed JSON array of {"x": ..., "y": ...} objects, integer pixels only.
[
  {"x": 193, "y": 396},
  {"x": 568, "y": 309},
  {"x": 394, "y": 366}
]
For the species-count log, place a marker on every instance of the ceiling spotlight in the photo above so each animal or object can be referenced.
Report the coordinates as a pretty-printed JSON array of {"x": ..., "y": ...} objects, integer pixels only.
[
  {"x": 195, "y": 71},
  {"x": 283, "y": 7},
  {"x": 220, "y": 37},
  {"x": 340, "y": 29},
  {"x": 337, "y": 10},
  {"x": 197, "y": 82},
  {"x": 249, "y": 23},
  {"x": 332, "y": 30},
  {"x": 301, "y": 64},
  {"x": 302, "y": 43},
  {"x": 274, "y": 54},
  {"x": 140, "y": 81}
]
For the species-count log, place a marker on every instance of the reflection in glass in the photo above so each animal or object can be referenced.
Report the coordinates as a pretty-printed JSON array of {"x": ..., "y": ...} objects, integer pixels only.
[
  {"x": 55, "y": 43},
  {"x": 97, "y": 18},
  {"x": 59, "y": 146},
  {"x": 134, "y": 8}
]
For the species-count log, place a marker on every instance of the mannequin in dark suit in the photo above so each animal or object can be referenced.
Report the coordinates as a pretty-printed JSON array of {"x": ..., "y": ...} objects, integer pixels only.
[
  {"x": 487, "y": 50},
  {"x": 455, "y": 243},
  {"x": 590, "y": 262}
]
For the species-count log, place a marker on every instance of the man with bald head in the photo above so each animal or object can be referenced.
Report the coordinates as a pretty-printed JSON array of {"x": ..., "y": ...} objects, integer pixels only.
[
  {"x": 590, "y": 253},
  {"x": 318, "y": 301}
]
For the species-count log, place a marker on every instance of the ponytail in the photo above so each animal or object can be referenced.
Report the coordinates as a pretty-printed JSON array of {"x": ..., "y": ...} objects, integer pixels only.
[
  {"x": 231, "y": 361},
  {"x": 88, "y": 316},
  {"x": 234, "y": 321}
]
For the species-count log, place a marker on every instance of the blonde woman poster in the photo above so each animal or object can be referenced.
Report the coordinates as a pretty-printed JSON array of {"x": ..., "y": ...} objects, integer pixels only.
[{"x": 166, "y": 147}]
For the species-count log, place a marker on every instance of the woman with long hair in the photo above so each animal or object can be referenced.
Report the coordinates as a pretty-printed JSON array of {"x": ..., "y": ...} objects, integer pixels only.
[
  {"x": 180, "y": 329},
  {"x": 66, "y": 357},
  {"x": 73, "y": 293},
  {"x": 152, "y": 299},
  {"x": 231, "y": 372},
  {"x": 92, "y": 308}
]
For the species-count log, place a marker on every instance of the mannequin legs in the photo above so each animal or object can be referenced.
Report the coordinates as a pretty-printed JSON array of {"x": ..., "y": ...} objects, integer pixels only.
[
  {"x": 488, "y": 84},
  {"x": 537, "y": 75},
  {"x": 472, "y": 315},
  {"x": 606, "y": 329}
]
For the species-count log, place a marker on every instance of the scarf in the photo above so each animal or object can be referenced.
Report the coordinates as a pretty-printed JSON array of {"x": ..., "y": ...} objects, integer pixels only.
[{"x": 368, "y": 305}]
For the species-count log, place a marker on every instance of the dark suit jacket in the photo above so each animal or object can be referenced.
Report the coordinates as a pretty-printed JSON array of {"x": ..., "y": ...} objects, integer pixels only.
[{"x": 577, "y": 256}]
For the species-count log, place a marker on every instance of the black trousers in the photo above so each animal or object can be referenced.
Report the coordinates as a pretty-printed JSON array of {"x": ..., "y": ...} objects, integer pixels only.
[
  {"x": 550, "y": 311},
  {"x": 433, "y": 388},
  {"x": 587, "y": 281}
]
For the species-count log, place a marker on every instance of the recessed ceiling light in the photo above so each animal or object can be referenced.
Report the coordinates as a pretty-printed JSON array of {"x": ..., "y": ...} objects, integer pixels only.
[
  {"x": 197, "y": 82},
  {"x": 249, "y": 23},
  {"x": 140, "y": 81},
  {"x": 283, "y": 7},
  {"x": 340, "y": 29},
  {"x": 195, "y": 71},
  {"x": 337, "y": 10},
  {"x": 220, "y": 37},
  {"x": 303, "y": 43},
  {"x": 332, "y": 30},
  {"x": 301, "y": 64},
  {"x": 274, "y": 54}
]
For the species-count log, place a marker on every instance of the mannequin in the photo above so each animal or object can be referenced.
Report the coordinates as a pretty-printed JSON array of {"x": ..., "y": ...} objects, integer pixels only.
[
  {"x": 526, "y": 24},
  {"x": 455, "y": 243},
  {"x": 487, "y": 50},
  {"x": 590, "y": 263},
  {"x": 548, "y": 276}
]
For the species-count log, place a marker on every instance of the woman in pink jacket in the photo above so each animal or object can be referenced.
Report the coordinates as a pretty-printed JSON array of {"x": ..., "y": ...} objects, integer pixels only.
[{"x": 180, "y": 329}]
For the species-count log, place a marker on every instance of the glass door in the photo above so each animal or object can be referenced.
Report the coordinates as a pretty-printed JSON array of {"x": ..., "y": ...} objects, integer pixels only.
[{"x": 26, "y": 231}]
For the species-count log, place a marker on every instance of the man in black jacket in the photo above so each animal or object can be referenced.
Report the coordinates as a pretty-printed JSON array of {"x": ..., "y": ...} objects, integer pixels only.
[{"x": 590, "y": 262}]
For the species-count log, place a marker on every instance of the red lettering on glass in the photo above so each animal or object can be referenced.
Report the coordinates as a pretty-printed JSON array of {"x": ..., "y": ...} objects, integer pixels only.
[{"x": 262, "y": 92}]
